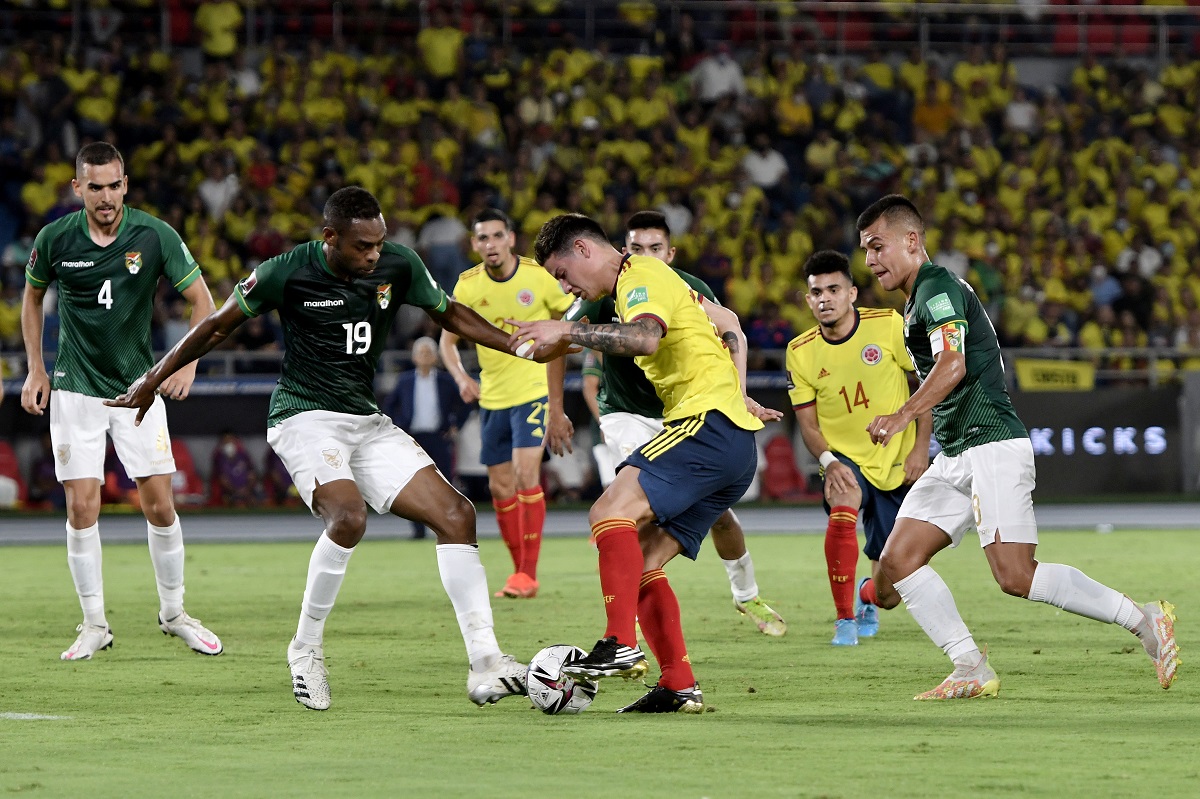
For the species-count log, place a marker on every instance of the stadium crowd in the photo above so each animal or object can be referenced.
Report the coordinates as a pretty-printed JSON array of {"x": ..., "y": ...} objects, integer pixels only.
[{"x": 1070, "y": 208}]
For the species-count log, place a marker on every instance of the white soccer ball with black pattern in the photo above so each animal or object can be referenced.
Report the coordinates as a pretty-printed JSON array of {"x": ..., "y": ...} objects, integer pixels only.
[{"x": 550, "y": 690}]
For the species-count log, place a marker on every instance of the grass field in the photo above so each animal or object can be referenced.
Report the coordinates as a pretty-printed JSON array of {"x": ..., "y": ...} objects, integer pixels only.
[{"x": 1079, "y": 714}]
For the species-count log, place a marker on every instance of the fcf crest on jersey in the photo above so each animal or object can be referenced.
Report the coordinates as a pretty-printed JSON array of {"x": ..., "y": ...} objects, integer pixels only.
[
  {"x": 333, "y": 457},
  {"x": 133, "y": 262},
  {"x": 383, "y": 295},
  {"x": 872, "y": 354},
  {"x": 525, "y": 297}
]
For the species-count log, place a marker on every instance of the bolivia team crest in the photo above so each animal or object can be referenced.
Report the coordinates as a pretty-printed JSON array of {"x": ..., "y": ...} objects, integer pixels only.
[
  {"x": 872, "y": 354},
  {"x": 383, "y": 295},
  {"x": 64, "y": 454},
  {"x": 133, "y": 262},
  {"x": 333, "y": 457},
  {"x": 525, "y": 297}
]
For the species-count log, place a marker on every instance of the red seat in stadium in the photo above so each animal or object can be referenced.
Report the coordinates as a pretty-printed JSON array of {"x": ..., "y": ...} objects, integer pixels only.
[
  {"x": 186, "y": 484},
  {"x": 781, "y": 480},
  {"x": 11, "y": 469},
  {"x": 1066, "y": 35},
  {"x": 1137, "y": 35}
]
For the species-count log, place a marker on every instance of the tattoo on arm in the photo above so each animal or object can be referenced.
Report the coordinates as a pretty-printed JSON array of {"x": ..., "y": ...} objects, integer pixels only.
[
  {"x": 636, "y": 338},
  {"x": 731, "y": 340}
]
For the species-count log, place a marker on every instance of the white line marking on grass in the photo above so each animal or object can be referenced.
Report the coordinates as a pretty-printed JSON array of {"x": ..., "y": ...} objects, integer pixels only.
[{"x": 32, "y": 717}]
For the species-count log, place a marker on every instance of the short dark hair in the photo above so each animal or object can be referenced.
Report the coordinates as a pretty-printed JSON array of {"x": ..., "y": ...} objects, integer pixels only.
[
  {"x": 894, "y": 208},
  {"x": 350, "y": 203},
  {"x": 492, "y": 215},
  {"x": 826, "y": 262},
  {"x": 556, "y": 235},
  {"x": 98, "y": 153},
  {"x": 649, "y": 220}
]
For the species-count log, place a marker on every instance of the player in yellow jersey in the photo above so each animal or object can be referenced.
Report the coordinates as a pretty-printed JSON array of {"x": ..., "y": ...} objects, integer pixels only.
[
  {"x": 669, "y": 492},
  {"x": 516, "y": 405},
  {"x": 843, "y": 373}
]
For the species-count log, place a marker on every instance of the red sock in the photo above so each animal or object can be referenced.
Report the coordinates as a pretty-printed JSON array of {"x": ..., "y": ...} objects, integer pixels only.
[
  {"x": 509, "y": 519},
  {"x": 867, "y": 593},
  {"x": 620, "y": 572},
  {"x": 841, "y": 556},
  {"x": 658, "y": 613},
  {"x": 533, "y": 518}
]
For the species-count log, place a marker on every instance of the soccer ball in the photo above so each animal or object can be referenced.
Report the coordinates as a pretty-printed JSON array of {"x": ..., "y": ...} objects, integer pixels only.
[{"x": 552, "y": 692}]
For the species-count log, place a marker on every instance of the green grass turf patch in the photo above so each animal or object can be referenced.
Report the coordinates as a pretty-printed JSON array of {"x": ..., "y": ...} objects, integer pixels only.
[{"x": 1079, "y": 713}]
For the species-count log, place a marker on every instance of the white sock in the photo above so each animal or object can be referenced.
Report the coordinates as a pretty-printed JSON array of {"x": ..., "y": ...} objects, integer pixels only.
[
  {"x": 166, "y": 553},
  {"x": 83, "y": 557},
  {"x": 1070, "y": 589},
  {"x": 930, "y": 602},
  {"x": 465, "y": 582},
  {"x": 741, "y": 578},
  {"x": 326, "y": 570}
]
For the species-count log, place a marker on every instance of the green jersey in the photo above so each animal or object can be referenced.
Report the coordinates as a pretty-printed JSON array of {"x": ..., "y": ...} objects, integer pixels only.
[
  {"x": 334, "y": 329},
  {"x": 943, "y": 314},
  {"x": 624, "y": 387},
  {"x": 106, "y": 296}
]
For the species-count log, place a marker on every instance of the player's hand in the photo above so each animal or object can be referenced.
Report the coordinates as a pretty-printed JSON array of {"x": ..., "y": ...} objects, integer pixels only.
[
  {"x": 761, "y": 413},
  {"x": 35, "y": 394},
  {"x": 559, "y": 431},
  {"x": 550, "y": 339},
  {"x": 882, "y": 428},
  {"x": 839, "y": 478},
  {"x": 915, "y": 464},
  {"x": 468, "y": 389},
  {"x": 178, "y": 385},
  {"x": 140, "y": 395}
]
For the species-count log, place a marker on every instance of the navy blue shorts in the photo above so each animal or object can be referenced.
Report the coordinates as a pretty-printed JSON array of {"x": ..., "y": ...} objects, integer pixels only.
[
  {"x": 692, "y": 472},
  {"x": 878, "y": 511},
  {"x": 506, "y": 429}
]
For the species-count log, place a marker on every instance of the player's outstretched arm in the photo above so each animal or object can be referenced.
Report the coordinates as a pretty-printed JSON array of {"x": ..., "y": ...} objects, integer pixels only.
[
  {"x": 948, "y": 370},
  {"x": 214, "y": 329},
  {"x": 839, "y": 479},
  {"x": 179, "y": 384},
  {"x": 639, "y": 337},
  {"x": 468, "y": 387},
  {"x": 35, "y": 394},
  {"x": 729, "y": 328},
  {"x": 559, "y": 429},
  {"x": 918, "y": 460}
]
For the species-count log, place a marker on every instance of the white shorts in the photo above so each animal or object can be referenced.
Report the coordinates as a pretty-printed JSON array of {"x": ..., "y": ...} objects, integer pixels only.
[
  {"x": 624, "y": 433},
  {"x": 78, "y": 424},
  {"x": 318, "y": 447},
  {"x": 988, "y": 487}
]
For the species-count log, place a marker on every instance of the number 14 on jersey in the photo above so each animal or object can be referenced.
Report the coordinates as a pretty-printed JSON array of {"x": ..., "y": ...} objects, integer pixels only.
[{"x": 860, "y": 398}]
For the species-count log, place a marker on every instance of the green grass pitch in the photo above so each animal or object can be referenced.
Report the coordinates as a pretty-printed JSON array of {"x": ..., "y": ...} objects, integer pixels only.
[{"x": 1079, "y": 713}]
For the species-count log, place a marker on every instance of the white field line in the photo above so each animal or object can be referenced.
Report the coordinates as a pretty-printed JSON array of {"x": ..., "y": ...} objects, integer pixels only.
[{"x": 32, "y": 717}]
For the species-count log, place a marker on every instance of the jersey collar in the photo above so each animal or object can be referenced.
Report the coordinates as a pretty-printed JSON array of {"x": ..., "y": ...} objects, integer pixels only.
[
  {"x": 624, "y": 265},
  {"x": 516, "y": 266},
  {"x": 320, "y": 245},
  {"x": 125, "y": 209},
  {"x": 848, "y": 336}
]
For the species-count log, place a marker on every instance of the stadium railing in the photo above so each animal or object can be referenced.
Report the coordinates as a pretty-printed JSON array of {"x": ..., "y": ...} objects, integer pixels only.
[{"x": 839, "y": 27}]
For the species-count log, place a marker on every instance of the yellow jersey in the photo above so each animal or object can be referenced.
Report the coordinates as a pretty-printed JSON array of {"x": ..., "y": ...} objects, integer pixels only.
[
  {"x": 691, "y": 370},
  {"x": 852, "y": 381},
  {"x": 529, "y": 294}
]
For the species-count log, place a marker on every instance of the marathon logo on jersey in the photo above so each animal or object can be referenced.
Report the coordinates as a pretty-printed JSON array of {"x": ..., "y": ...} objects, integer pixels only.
[
  {"x": 872, "y": 354},
  {"x": 941, "y": 307},
  {"x": 133, "y": 262},
  {"x": 76, "y": 264},
  {"x": 525, "y": 297},
  {"x": 333, "y": 457},
  {"x": 637, "y": 296},
  {"x": 383, "y": 296},
  {"x": 323, "y": 303},
  {"x": 249, "y": 282}
]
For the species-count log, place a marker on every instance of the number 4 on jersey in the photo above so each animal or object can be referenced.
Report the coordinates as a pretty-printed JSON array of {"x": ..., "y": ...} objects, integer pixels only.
[
  {"x": 860, "y": 398},
  {"x": 105, "y": 297}
]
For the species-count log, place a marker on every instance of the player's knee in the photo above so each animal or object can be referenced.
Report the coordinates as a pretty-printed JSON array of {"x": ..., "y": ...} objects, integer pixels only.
[
  {"x": 897, "y": 565},
  {"x": 458, "y": 524},
  {"x": 348, "y": 522},
  {"x": 850, "y": 499},
  {"x": 83, "y": 511},
  {"x": 159, "y": 511},
  {"x": 1014, "y": 582},
  {"x": 528, "y": 478}
]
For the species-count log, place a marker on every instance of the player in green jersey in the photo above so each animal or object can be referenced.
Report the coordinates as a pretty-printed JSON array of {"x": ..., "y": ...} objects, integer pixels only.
[
  {"x": 337, "y": 299},
  {"x": 630, "y": 412},
  {"x": 107, "y": 260},
  {"x": 984, "y": 476}
]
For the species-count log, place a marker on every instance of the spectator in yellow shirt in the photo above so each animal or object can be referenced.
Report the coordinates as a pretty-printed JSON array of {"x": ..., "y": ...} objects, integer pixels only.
[
  {"x": 218, "y": 22},
  {"x": 441, "y": 47}
]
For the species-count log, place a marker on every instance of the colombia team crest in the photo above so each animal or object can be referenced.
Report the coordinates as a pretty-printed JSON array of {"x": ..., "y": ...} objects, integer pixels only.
[
  {"x": 133, "y": 262},
  {"x": 525, "y": 297},
  {"x": 872, "y": 354},
  {"x": 383, "y": 295}
]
